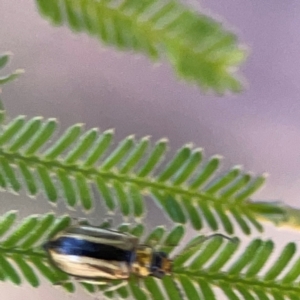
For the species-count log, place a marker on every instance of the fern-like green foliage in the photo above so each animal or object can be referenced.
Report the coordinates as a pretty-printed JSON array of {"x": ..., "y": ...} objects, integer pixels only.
[
  {"x": 4, "y": 59},
  {"x": 198, "y": 47},
  {"x": 21, "y": 245},
  {"x": 201, "y": 268},
  {"x": 185, "y": 187}
]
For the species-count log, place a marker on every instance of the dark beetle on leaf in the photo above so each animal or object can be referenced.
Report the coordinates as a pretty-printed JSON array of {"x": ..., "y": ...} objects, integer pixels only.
[{"x": 93, "y": 254}]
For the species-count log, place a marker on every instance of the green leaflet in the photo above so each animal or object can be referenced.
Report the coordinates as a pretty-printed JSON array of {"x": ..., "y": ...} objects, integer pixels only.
[
  {"x": 199, "y": 267},
  {"x": 79, "y": 163},
  {"x": 198, "y": 47},
  {"x": 4, "y": 59}
]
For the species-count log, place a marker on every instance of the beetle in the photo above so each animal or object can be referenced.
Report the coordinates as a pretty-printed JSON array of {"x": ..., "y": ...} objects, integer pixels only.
[{"x": 93, "y": 254}]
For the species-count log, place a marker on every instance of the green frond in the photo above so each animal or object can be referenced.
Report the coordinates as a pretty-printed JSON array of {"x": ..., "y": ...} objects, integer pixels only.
[
  {"x": 214, "y": 264},
  {"x": 202, "y": 266},
  {"x": 198, "y": 47},
  {"x": 4, "y": 60},
  {"x": 23, "y": 259},
  {"x": 20, "y": 255},
  {"x": 78, "y": 163}
]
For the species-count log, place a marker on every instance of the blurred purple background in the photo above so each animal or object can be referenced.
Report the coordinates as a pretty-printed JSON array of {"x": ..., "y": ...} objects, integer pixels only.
[{"x": 76, "y": 79}]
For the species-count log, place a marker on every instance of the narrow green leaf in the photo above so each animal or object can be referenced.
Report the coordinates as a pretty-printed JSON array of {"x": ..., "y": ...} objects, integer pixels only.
[
  {"x": 171, "y": 206},
  {"x": 261, "y": 294},
  {"x": 175, "y": 236},
  {"x": 224, "y": 256},
  {"x": 105, "y": 192},
  {"x": 100, "y": 146},
  {"x": 272, "y": 211},
  {"x": 11, "y": 77},
  {"x": 210, "y": 249},
  {"x": 72, "y": 16},
  {"x": 155, "y": 236},
  {"x": 11, "y": 129},
  {"x": 3, "y": 183},
  {"x": 10, "y": 174},
  {"x": 278, "y": 295},
  {"x": 246, "y": 258},
  {"x": 137, "y": 292},
  {"x": 170, "y": 288},
  {"x": 123, "y": 292},
  {"x": 226, "y": 222},
  {"x": 153, "y": 288},
  {"x": 193, "y": 214},
  {"x": 9, "y": 271},
  {"x": 109, "y": 294},
  {"x": 82, "y": 146},
  {"x": 68, "y": 187},
  {"x": 52, "y": 10},
  {"x": 118, "y": 154},
  {"x": 208, "y": 215},
  {"x": 136, "y": 155},
  {"x": 69, "y": 287},
  {"x": 187, "y": 170},
  {"x": 292, "y": 274},
  {"x": 43, "y": 136},
  {"x": 189, "y": 288},
  {"x": 223, "y": 181},
  {"x": 26, "y": 270},
  {"x": 154, "y": 158},
  {"x": 47, "y": 271},
  {"x": 4, "y": 59},
  {"x": 2, "y": 275},
  {"x": 84, "y": 191},
  {"x": 249, "y": 216},
  {"x": 208, "y": 170},
  {"x": 137, "y": 200},
  {"x": 251, "y": 188},
  {"x": 179, "y": 159},
  {"x": 228, "y": 291},
  {"x": 7, "y": 221},
  {"x": 2, "y": 113},
  {"x": 106, "y": 224},
  {"x": 90, "y": 288},
  {"x": 207, "y": 291},
  {"x": 260, "y": 258},
  {"x": 240, "y": 220},
  {"x": 122, "y": 198},
  {"x": 245, "y": 293},
  {"x": 48, "y": 184},
  {"x": 27, "y": 132},
  {"x": 236, "y": 186},
  {"x": 293, "y": 296},
  {"x": 89, "y": 16},
  {"x": 65, "y": 141},
  {"x": 28, "y": 178},
  {"x": 27, "y": 226},
  {"x": 138, "y": 230},
  {"x": 124, "y": 227},
  {"x": 188, "y": 251},
  {"x": 59, "y": 225},
  {"x": 42, "y": 226}
]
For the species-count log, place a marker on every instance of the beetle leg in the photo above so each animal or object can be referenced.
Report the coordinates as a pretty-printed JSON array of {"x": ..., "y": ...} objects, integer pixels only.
[
  {"x": 108, "y": 223},
  {"x": 114, "y": 287},
  {"x": 62, "y": 282},
  {"x": 79, "y": 221}
]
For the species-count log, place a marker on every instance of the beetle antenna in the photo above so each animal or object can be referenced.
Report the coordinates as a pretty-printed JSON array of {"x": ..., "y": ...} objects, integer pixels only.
[
  {"x": 220, "y": 235},
  {"x": 206, "y": 238}
]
